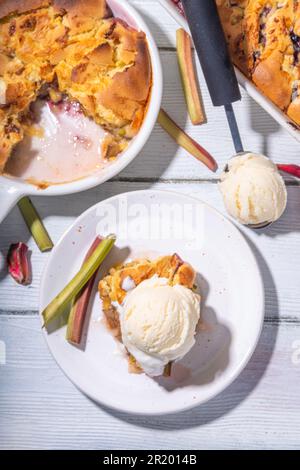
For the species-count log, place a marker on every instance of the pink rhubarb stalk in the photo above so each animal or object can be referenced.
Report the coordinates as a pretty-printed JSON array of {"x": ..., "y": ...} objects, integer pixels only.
[
  {"x": 188, "y": 76},
  {"x": 293, "y": 170},
  {"x": 185, "y": 141},
  {"x": 80, "y": 304},
  {"x": 18, "y": 263}
]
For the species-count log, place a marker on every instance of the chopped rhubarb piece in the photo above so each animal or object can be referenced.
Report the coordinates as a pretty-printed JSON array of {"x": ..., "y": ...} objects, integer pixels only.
[
  {"x": 59, "y": 303},
  {"x": 293, "y": 170},
  {"x": 80, "y": 304},
  {"x": 188, "y": 77},
  {"x": 185, "y": 141},
  {"x": 35, "y": 224},
  {"x": 18, "y": 263}
]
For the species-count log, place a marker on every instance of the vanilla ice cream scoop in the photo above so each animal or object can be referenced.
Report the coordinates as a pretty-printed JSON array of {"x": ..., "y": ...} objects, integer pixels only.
[
  {"x": 158, "y": 323},
  {"x": 253, "y": 189}
]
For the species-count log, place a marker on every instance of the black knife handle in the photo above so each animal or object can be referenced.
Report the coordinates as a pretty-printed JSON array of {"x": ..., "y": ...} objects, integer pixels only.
[{"x": 210, "y": 43}]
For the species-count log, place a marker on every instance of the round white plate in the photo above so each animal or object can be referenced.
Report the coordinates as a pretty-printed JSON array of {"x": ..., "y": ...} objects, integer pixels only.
[{"x": 151, "y": 223}]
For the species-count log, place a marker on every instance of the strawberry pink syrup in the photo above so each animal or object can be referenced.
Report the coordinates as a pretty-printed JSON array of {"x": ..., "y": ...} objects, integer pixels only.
[{"x": 67, "y": 146}]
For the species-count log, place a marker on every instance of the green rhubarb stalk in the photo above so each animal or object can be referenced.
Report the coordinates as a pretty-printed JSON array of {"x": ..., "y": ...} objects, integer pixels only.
[
  {"x": 35, "y": 224},
  {"x": 80, "y": 303},
  {"x": 188, "y": 76},
  {"x": 60, "y": 302},
  {"x": 185, "y": 141}
]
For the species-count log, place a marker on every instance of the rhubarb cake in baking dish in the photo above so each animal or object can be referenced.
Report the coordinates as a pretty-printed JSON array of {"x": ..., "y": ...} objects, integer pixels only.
[
  {"x": 264, "y": 42},
  {"x": 71, "y": 50},
  {"x": 151, "y": 307}
]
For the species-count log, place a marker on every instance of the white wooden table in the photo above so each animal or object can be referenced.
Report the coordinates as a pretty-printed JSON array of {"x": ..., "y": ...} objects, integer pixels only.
[{"x": 40, "y": 408}]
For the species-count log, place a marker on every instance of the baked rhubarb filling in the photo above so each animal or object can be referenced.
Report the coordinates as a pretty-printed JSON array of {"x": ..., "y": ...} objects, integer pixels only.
[
  {"x": 71, "y": 51},
  {"x": 153, "y": 309}
]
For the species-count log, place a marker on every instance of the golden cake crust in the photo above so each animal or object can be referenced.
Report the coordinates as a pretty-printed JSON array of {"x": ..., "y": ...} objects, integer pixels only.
[
  {"x": 76, "y": 48},
  {"x": 127, "y": 90},
  {"x": 74, "y": 8},
  {"x": 9, "y": 7},
  {"x": 264, "y": 42}
]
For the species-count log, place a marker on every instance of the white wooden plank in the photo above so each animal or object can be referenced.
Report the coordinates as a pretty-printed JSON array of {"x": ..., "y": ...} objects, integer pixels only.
[
  {"x": 159, "y": 21},
  {"x": 40, "y": 408},
  {"x": 277, "y": 249}
]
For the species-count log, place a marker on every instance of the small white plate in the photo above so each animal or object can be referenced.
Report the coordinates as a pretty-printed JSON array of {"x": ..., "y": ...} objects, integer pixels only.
[{"x": 151, "y": 223}]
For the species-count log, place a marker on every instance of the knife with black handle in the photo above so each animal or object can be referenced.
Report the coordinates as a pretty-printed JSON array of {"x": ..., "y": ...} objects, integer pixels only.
[{"x": 210, "y": 43}]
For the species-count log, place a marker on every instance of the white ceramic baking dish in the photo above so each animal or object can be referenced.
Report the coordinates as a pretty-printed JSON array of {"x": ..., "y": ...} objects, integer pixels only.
[
  {"x": 13, "y": 189},
  {"x": 251, "y": 89}
]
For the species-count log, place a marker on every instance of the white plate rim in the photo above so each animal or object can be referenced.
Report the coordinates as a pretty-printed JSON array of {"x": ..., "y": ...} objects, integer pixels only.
[{"x": 218, "y": 389}]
